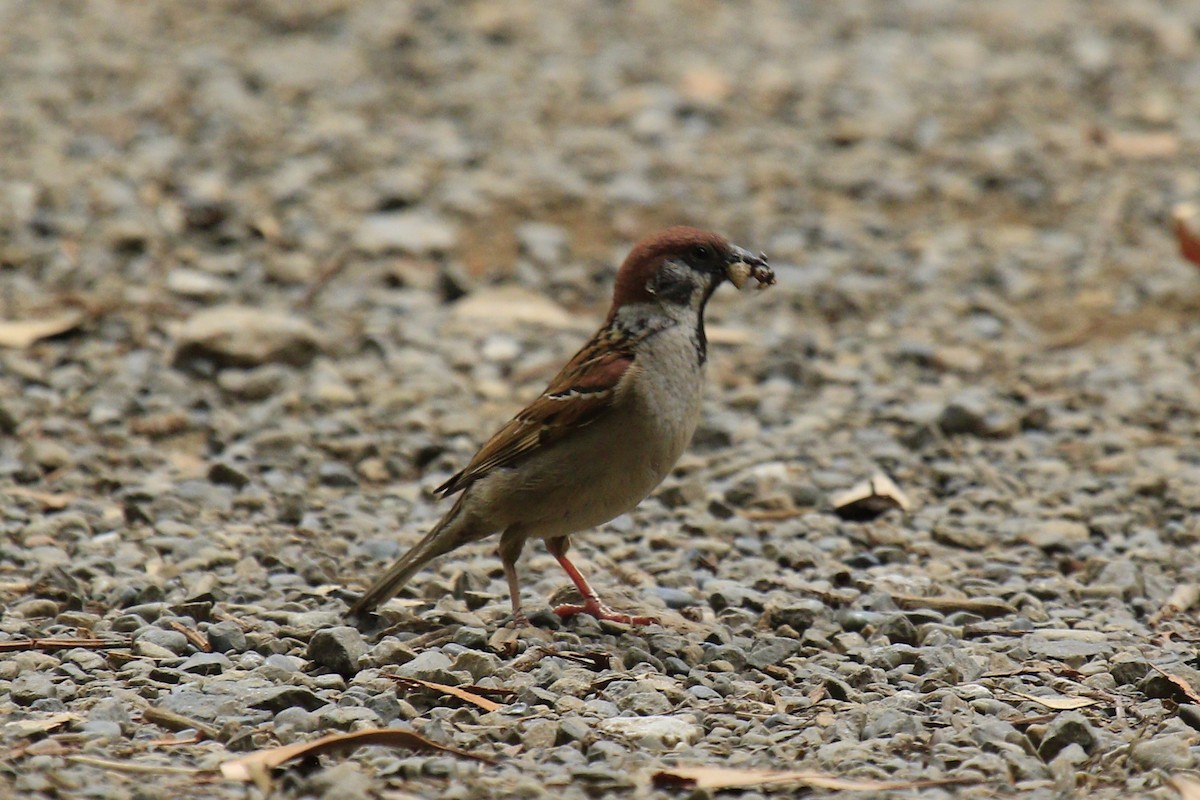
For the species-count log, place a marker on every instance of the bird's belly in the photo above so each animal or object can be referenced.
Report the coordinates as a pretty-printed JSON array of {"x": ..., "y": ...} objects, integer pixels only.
[
  {"x": 611, "y": 465},
  {"x": 617, "y": 462}
]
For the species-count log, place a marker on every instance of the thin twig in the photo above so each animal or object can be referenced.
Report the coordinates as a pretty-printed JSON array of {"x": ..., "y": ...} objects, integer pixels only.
[
  {"x": 16, "y": 645},
  {"x": 178, "y": 722},
  {"x": 143, "y": 769},
  {"x": 336, "y": 263}
]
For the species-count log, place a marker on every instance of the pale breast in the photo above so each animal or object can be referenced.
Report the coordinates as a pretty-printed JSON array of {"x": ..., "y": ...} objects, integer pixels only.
[{"x": 610, "y": 466}]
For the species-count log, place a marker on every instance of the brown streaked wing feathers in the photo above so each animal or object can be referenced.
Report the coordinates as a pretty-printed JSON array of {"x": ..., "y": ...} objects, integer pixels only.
[{"x": 579, "y": 395}]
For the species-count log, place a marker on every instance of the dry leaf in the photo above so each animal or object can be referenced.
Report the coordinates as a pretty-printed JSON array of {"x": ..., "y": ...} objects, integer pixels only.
[
  {"x": 256, "y": 765},
  {"x": 1141, "y": 146},
  {"x": 48, "y": 501},
  {"x": 1058, "y": 702},
  {"x": 1187, "y": 786},
  {"x": 870, "y": 499},
  {"x": 1179, "y": 682},
  {"x": 1186, "y": 219},
  {"x": 30, "y": 727},
  {"x": 20, "y": 334},
  {"x": 725, "y": 778},
  {"x": 453, "y": 691}
]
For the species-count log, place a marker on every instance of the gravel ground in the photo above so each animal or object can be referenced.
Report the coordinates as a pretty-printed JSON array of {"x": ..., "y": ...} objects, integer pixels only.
[{"x": 301, "y": 258}]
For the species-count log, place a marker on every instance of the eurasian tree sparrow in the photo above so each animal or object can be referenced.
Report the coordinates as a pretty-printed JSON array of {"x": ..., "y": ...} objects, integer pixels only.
[{"x": 605, "y": 432}]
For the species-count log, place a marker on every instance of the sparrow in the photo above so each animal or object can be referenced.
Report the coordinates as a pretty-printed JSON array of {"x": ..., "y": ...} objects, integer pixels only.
[{"x": 607, "y": 429}]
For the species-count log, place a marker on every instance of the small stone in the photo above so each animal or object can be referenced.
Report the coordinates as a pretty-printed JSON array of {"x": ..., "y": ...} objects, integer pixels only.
[
  {"x": 769, "y": 650},
  {"x": 889, "y": 722},
  {"x": 540, "y": 734},
  {"x": 971, "y": 413},
  {"x": 277, "y": 698},
  {"x": 543, "y": 243},
  {"x": 656, "y": 733},
  {"x": 337, "y": 474},
  {"x": 338, "y": 648},
  {"x": 47, "y": 454},
  {"x": 415, "y": 233},
  {"x": 290, "y": 722},
  {"x": 797, "y": 615},
  {"x": 111, "y": 710},
  {"x": 345, "y": 718},
  {"x": 891, "y": 656},
  {"x": 899, "y": 630},
  {"x": 254, "y": 384},
  {"x": 1190, "y": 713},
  {"x": 480, "y": 665},
  {"x": 37, "y": 608},
  {"x": 391, "y": 651},
  {"x": 1049, "y": 535},
  {"x": 955, "y": 533},
  {"x": 430, "y": 665},
  {"x": 472, "y": 637},
  {"x": 723, "y": 594},
  {"x": 511, "y": 307},
  {"x": 226, "y": 636},
  {"x": 238, "y": 336},
  {"x": 675, "y": 598},
  {"x": 30, "y": 687},
  {"x": 206, "y": 664},
  {"x": 1067, "y": 650},
  {"x": 196, "y": 284},
  {"x": 1155, "y": 684},
  {"x": 574, "y": 729},
  {"x": 172, "y": 641},
  {"x": 1069, "y": 728},
  {"x": 1170, "y": 753},
  {"x": 646, "y": 702},
  {"x": 152, "y": 650},
  {"x": 225, "y": 475},
  {"x": 100, "y": 730}
]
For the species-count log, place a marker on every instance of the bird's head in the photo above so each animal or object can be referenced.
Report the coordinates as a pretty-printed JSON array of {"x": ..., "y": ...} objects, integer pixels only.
[{"x": 679, "y": 268}]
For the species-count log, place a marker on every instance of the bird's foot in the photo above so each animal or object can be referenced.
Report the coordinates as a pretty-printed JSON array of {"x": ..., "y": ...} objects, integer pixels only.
[{"x": 600, "y": 611}]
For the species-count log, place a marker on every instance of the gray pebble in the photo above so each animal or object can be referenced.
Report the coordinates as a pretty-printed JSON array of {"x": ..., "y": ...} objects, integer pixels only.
[
  {"x": 170, "y": 641},
  {"x": 338, "y": 649},
  {"x": 226, "y": 637},
  {"x": 1071, "y": 727},
  {"x": 1164, "y": 752},
  {"x": 430, "y": 665}
]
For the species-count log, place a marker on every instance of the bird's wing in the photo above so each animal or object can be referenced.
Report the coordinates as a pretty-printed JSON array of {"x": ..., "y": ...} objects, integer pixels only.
[{"x": 586, "y": 388}]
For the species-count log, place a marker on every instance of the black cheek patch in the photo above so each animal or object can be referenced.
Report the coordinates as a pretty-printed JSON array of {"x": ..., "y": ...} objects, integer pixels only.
[{"x": 672, "y": 287}]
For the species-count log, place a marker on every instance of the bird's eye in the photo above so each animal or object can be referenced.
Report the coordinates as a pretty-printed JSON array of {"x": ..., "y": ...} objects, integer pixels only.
[{"x": 701, "y": 252}]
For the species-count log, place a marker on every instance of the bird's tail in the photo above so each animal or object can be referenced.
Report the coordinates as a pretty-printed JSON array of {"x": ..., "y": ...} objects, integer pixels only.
[{"x": 445, "y": 536}]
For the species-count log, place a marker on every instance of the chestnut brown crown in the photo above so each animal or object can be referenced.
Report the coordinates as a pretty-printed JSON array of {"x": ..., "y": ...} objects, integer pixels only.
[{"x": 680, "y": 242}]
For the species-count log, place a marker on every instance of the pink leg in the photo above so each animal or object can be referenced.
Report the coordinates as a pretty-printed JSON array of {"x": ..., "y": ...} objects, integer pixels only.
[
  {"x": 514, "y": 592},
  {"x": 591, "y": 601},
  {"x": 510, "y": 550}
]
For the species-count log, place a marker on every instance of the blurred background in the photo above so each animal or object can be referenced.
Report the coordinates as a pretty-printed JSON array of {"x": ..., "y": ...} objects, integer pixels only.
[
  {"x": 269, "y": 271},
  {"x": 239, "y": 145}
]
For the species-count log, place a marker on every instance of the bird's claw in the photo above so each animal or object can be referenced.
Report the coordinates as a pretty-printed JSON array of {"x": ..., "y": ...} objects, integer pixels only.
[{"x": 601, "y": 611}]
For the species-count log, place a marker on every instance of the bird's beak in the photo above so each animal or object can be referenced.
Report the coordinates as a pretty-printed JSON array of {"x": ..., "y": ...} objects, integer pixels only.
[{"x": 744, "y": 265}]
